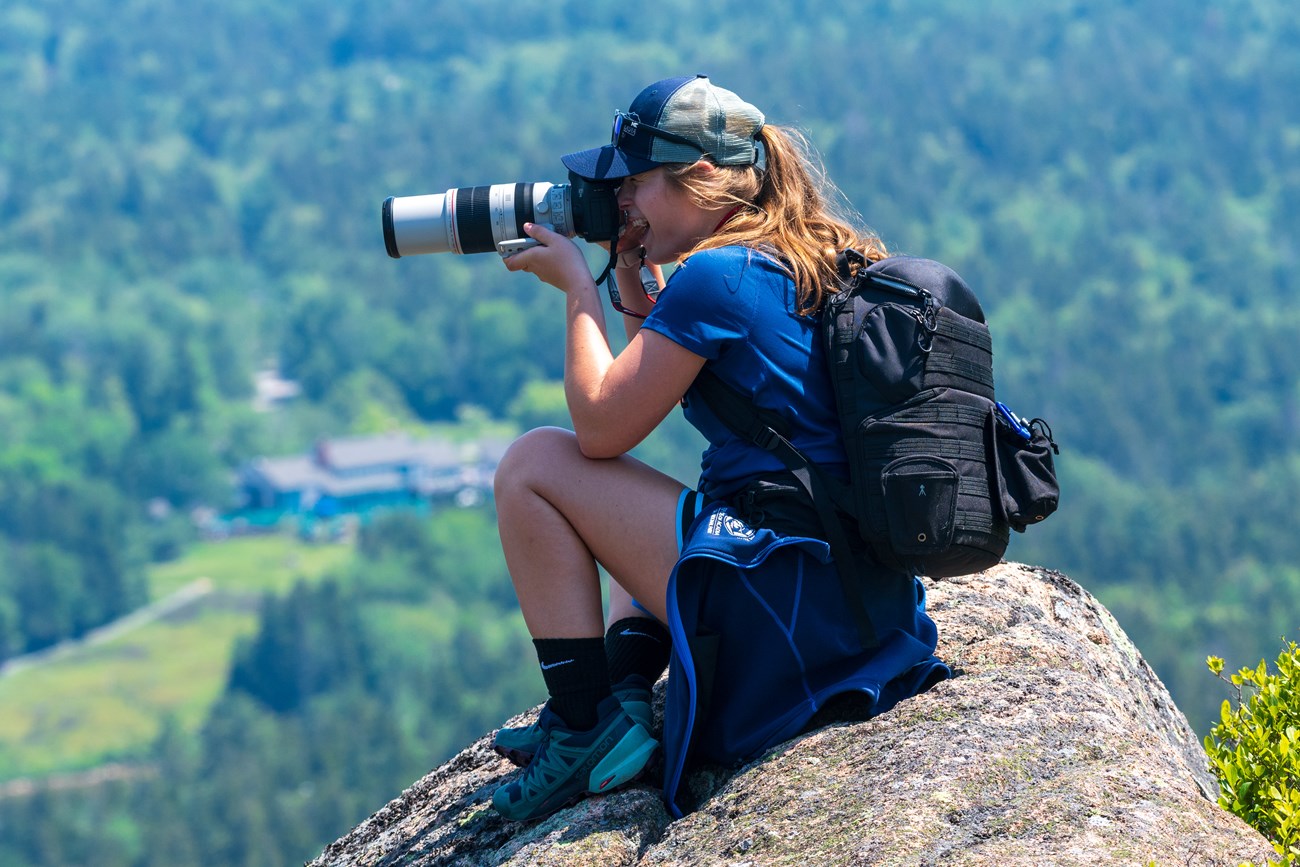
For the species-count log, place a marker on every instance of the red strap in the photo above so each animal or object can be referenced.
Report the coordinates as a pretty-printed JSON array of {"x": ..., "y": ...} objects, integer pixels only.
[{"x": 725, "y": 217}]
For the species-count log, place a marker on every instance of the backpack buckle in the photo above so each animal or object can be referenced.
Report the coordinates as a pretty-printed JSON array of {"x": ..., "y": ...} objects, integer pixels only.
[
  {"x": 767, "y": 439},
  {"x": 845, "y": 260}
]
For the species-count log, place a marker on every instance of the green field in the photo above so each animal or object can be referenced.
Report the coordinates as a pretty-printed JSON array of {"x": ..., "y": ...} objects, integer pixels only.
[{"x": 96, "y": 701}]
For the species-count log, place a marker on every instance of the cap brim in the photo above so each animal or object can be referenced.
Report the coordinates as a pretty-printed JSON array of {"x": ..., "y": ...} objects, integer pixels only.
[{"x": 606, "y": 163}]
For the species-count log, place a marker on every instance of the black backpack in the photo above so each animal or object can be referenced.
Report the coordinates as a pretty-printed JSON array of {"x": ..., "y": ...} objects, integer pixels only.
[{"x": 940, "y": 472}]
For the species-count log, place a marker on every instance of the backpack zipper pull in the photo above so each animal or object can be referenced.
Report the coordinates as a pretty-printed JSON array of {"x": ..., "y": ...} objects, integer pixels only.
[
  {"x": 928, "y": 318},
  {"x": 929, "y": 312}
]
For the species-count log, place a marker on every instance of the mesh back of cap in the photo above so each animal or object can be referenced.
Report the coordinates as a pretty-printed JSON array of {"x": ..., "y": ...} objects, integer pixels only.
[{"x": 719, "y": 121}]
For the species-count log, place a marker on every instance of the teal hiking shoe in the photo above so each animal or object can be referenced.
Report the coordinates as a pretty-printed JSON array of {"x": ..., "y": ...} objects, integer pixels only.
[
  {"x": 518, "y": 744},
  {"x": 569, "y": 765}
]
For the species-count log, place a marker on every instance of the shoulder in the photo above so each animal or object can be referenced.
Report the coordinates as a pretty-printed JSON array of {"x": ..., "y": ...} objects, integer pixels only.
[
  {"x": 727, "y": 271},
  {"x": 711, "y": 300},
  {"x": 731, "y": 261}
]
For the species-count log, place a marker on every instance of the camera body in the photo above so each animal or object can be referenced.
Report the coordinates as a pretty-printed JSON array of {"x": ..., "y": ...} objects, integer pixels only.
[{"x": 480, "y": 219}]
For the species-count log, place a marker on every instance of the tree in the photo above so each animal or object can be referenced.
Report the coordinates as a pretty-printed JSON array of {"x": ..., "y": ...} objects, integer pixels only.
[
  {"x": 1254, "y": 750},
  {"x": 48, "y": 592},
  {"x": 309, "y": 643}
]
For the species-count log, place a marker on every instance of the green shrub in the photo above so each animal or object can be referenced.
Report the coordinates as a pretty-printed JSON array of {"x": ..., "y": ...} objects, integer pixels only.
[{"x": 1255, "y": 750}]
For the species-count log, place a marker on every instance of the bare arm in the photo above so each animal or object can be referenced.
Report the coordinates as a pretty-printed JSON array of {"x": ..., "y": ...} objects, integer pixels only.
[
  {"x": 614, "y": 401},
  {"x": 633, "y": 294}
]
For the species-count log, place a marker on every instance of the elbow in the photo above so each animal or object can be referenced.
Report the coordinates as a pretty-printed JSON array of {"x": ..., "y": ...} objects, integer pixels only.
[
  {"x": 597, "y": 445},
  {"x": 602, "y": 438}
]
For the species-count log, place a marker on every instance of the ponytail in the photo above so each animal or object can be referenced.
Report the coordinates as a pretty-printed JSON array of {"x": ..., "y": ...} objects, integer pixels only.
[{"x": 791, "y": 210}]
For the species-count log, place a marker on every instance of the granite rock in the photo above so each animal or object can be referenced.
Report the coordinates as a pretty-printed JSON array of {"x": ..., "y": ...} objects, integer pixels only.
[{"x": 1056, "y": 744}]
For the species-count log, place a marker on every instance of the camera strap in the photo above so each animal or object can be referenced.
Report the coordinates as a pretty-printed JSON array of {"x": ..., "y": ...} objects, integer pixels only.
[{"x": 611, "y": 283}]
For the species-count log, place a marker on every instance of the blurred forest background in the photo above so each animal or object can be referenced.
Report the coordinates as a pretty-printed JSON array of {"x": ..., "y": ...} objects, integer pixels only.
[{"x": 190, "y": 193}]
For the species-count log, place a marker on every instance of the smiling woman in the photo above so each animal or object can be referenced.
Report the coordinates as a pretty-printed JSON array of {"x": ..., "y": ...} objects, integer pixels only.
[
  {"x": 739, "y": 598},
  {"x": 663, "y": 219}
]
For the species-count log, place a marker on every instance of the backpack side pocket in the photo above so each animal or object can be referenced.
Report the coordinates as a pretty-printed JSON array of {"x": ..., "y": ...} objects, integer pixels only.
[{"x": 1025, "y": 489}]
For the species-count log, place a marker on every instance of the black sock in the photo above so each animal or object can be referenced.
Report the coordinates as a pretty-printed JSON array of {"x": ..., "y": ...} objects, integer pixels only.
[
  {"x": 637, "y": 645},
  {"x": 577, "y": 677}
]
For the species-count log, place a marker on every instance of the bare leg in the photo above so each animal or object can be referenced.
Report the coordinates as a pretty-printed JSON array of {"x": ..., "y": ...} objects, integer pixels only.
[
  {"x": 620, "y": 605},
  {"x": 559, "y": 513}
]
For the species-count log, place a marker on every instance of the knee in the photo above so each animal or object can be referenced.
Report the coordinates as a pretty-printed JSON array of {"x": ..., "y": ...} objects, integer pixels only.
[{"x": 537, "y": 455}]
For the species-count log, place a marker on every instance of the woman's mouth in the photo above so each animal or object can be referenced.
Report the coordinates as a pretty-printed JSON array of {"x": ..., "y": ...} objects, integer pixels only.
[{"x": 632, "y": 232}]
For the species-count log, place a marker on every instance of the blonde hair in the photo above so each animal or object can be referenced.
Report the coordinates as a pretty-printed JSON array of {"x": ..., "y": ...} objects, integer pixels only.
[{"x": 791, "y": 210}]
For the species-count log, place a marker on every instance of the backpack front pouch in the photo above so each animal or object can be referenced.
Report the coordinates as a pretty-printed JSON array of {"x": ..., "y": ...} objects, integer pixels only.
[{"x": 921, "y": 502}]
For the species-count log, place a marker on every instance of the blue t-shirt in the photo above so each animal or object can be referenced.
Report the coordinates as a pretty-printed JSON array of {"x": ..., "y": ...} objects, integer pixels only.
[{"x": 736, "y": 307}]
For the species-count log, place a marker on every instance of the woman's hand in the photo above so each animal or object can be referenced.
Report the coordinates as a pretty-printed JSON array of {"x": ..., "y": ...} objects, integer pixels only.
[
  {"x": 556, "y": 260},
  {"x": 629, "y": 237}
]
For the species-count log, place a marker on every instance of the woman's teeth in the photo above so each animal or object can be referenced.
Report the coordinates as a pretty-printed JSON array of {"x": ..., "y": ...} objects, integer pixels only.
[{"x": 637, "y": 224}]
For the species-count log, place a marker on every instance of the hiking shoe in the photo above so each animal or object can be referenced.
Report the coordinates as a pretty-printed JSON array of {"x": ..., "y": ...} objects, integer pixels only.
[
  {"x": 569, "y": 764},
  {"x": 519, "y": 743}
]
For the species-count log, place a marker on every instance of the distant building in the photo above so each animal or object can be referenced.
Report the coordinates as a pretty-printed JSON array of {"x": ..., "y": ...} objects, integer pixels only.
[
  {"x": 355, "y": 474},
  {"x": 270, "y": 390}
]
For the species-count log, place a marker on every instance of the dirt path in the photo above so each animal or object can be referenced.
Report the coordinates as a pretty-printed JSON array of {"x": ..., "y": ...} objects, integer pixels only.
[
  {"x": 187, "y": 595},
  {"x": 25, "y": 787}
]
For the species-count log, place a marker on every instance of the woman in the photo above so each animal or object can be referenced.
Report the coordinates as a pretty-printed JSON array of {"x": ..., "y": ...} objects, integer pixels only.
[{"x": 705, "y": 183}]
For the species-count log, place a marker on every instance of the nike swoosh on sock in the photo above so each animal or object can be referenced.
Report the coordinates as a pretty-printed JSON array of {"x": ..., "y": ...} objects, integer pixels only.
[
  {"x": 642, "y": 634},
  {"x": 557, "y": 664}
]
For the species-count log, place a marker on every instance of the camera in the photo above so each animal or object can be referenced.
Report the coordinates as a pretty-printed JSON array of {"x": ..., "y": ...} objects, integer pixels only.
[{"x": 480, "y": 219}]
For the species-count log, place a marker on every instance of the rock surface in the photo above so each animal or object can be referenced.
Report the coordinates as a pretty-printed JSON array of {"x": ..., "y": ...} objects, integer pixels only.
[{"x": 1055, "y": 745}]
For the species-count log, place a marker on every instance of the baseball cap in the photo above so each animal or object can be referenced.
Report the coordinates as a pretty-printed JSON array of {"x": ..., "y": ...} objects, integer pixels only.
[{"x": 677, "y": 120}]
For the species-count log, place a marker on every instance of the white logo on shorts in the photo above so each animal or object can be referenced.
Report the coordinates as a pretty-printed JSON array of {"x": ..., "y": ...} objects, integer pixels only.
[{"x": 720, "y": 522}]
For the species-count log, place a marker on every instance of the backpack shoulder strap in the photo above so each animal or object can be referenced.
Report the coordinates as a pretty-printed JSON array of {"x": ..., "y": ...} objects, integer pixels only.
[{"x": 760, "y": 427}]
